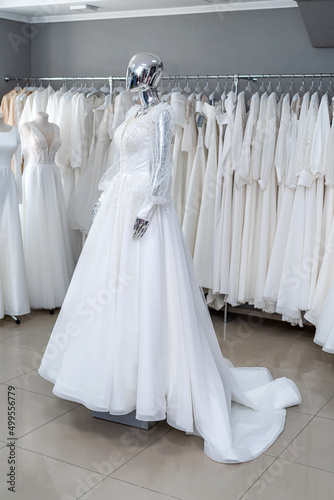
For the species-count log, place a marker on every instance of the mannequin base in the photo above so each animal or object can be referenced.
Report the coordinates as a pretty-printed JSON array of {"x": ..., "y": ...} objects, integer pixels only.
[{"x": 129, "y": 419}]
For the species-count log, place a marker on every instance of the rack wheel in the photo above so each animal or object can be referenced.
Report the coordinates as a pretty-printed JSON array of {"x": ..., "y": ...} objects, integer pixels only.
[
  {"x": 17, "y": 321},
  {"x": 52, "y": 312}
]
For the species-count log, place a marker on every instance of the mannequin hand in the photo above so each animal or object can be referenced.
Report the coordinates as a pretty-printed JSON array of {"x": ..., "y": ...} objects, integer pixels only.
[{"x": 140, "y": 228}]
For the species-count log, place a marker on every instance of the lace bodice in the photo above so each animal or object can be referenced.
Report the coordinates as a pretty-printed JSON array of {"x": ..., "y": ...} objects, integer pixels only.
[
  {"x": 35, "y": 146},
  {"x": 132, "y": 139},
  {"x": 143, "y": 151}
]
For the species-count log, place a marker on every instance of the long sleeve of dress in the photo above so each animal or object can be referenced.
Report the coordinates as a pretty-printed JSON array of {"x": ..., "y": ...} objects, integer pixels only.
[
  {"x": 161, "y": 162},
  {"x": 17, "y": 168},
  {"x": 320, "y": 139},
  {"x": 268, "y": 153}
]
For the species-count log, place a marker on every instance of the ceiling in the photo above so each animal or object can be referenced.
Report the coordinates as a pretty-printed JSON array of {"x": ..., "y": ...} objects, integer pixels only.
[{"x": 35, "y": 11}]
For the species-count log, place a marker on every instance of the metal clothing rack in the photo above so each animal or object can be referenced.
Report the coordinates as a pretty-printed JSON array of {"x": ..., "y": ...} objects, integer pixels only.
[{"x": 235, "y": 77}]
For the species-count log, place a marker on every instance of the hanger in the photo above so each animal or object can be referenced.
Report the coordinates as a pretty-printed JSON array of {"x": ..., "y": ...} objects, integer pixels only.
[
  {"x": 161, "y": 88},
  {"x": 321, "y": 88},
  {"x": 105, "y": 89},
  {"x": 292, "y": 86},
  {"x": 330, "y": 88},
  {"x": 178, "y": 86},
  {"x": 312, "y": 86},
  {"x": 249, "y": 87},
  {"x": 41, "y": 88},
  {"x": 33, "y": 85},
  {"x": 302, "y": 88},
  {"x": 206, "y": 89},
  {"x": 74, "y": 88},
  {"x": 215, "y": 96},
  {"x": 64, "y": 88},
  {"x": 279, "y": 89},
  {"x": 187, "y": 89},
  {"x": 175, "y": 86},
  {"x": 262, "y": 88},
  {"x": 198, "y": 88},
  {"x": 223, "y": 96},
  {"x": 17, "y": 87},
  {"x": 120, "y": 88}
]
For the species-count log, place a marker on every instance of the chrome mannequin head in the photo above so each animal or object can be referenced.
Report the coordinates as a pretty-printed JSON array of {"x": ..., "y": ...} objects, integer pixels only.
[{"x": 144, "y": 72}]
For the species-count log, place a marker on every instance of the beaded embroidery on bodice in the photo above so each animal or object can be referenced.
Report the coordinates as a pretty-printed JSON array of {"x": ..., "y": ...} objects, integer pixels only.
[
  {"x": 37, "y": 147},
  {"x": 132, "y": 139}
]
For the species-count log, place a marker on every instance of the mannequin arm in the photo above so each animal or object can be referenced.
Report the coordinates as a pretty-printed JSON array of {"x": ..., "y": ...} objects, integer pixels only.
[{"x": 160, "y": 174}]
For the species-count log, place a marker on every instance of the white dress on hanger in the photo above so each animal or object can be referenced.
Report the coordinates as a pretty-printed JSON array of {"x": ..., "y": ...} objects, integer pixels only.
[
  {"x": 14, "y": 298},
  {"x": 326, "y": 273},
  {"x": 178, "y": 102},
  {"x": 268, "y": 185},
  {"x": 318, "y": 168},
  {"x": 203, "y": 252},
  {"x": 285, "y": 162},
  {"x": 134, "y": 332},
  {"x": 86, "y": 193},
  {"x": 295, "y": 279},
  {"x": 196, "y": 182},
  {"x": 238, "y": 207},
  {"x": 223, "y": 208},
  {"x": 251, "y": 248},
  {"x": 252, "y": 187},
  {"x": 48, "y": 254},
  {"x": 189, "y": 142}
]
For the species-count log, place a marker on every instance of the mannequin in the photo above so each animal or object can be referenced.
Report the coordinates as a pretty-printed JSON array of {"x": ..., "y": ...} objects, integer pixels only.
[
  {"x": 143, "y": 74},
  {"x": 45, "y": 127},
  {"x": 3, "y": 126},
  {"x": 134, "y": 332},
  {"x": 14, "y": 297}
]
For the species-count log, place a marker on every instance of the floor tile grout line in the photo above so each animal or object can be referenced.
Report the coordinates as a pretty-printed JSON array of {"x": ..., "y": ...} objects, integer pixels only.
[
  {"x": 308, "y": 423},
  {"x": 280, "y": 456},
  {"x": 330, "y": 399},
  {"x": 61, "y": 461},
  {"x": 139, "y": 452},
  {"x": 46, "y": 423},
  {"x": 43, "y": 454},
  {"x": 132, "y": 484},
  {"x": 19, "y": 347},
  {"x": 31, "y": 329},
  {"x": 306, "y": 465},
  {"x": 265, "y": 470},
  {"x": 18, "y": 376},
  {"x": 40, "y": 394}
]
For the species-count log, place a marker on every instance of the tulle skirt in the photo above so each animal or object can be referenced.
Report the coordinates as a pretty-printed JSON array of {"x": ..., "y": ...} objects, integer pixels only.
[
  {"x": 48, "y": 254},
  {"x": 324, "y": 335},
  {"x": 134, "y": 333},
  {"x": 14, "y": 298},
  {"x": 86, "y": 192}
]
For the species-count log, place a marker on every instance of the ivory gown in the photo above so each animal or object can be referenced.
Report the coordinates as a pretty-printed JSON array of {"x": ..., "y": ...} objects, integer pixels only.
[
  {"x": 47, "y": 249},
  {"x": 134, "y": 332},
  {"x": 203, "y": 251},
  {"x": 194, "y": 195},
  {"x": 14, "y": 298}
]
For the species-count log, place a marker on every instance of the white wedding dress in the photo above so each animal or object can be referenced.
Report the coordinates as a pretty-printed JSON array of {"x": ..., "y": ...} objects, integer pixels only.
[
  {"x": 47, "y": 249},
  {"x": 134, "y": 332},
  {"x": 14, "y": 298}
]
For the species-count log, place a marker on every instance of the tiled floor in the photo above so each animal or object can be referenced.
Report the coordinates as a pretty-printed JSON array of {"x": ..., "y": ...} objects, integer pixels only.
[{"x": 63, "y": 453}]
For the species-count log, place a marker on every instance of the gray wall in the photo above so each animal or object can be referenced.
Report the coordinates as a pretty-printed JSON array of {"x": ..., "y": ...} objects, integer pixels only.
[
  {"x": 15, "y": 52},
  {"x": 274, "y": 41}
]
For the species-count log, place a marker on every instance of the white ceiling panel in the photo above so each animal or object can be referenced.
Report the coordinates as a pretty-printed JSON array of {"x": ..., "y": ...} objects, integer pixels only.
[{"x": 59, "y": 10}]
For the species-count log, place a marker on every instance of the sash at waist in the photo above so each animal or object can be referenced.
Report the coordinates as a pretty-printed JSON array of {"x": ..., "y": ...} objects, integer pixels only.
[{"x": 35, "y": 164}]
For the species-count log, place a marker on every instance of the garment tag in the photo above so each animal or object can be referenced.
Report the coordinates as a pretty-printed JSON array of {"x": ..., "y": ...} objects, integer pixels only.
[{"x": 200, "y": 121}]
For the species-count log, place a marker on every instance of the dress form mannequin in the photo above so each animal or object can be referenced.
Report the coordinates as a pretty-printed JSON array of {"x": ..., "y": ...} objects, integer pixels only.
[
  {"x": 44, "y": 126},
  {"x": 143, "y": 74},
  {"x": 3, "y": 126}
]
